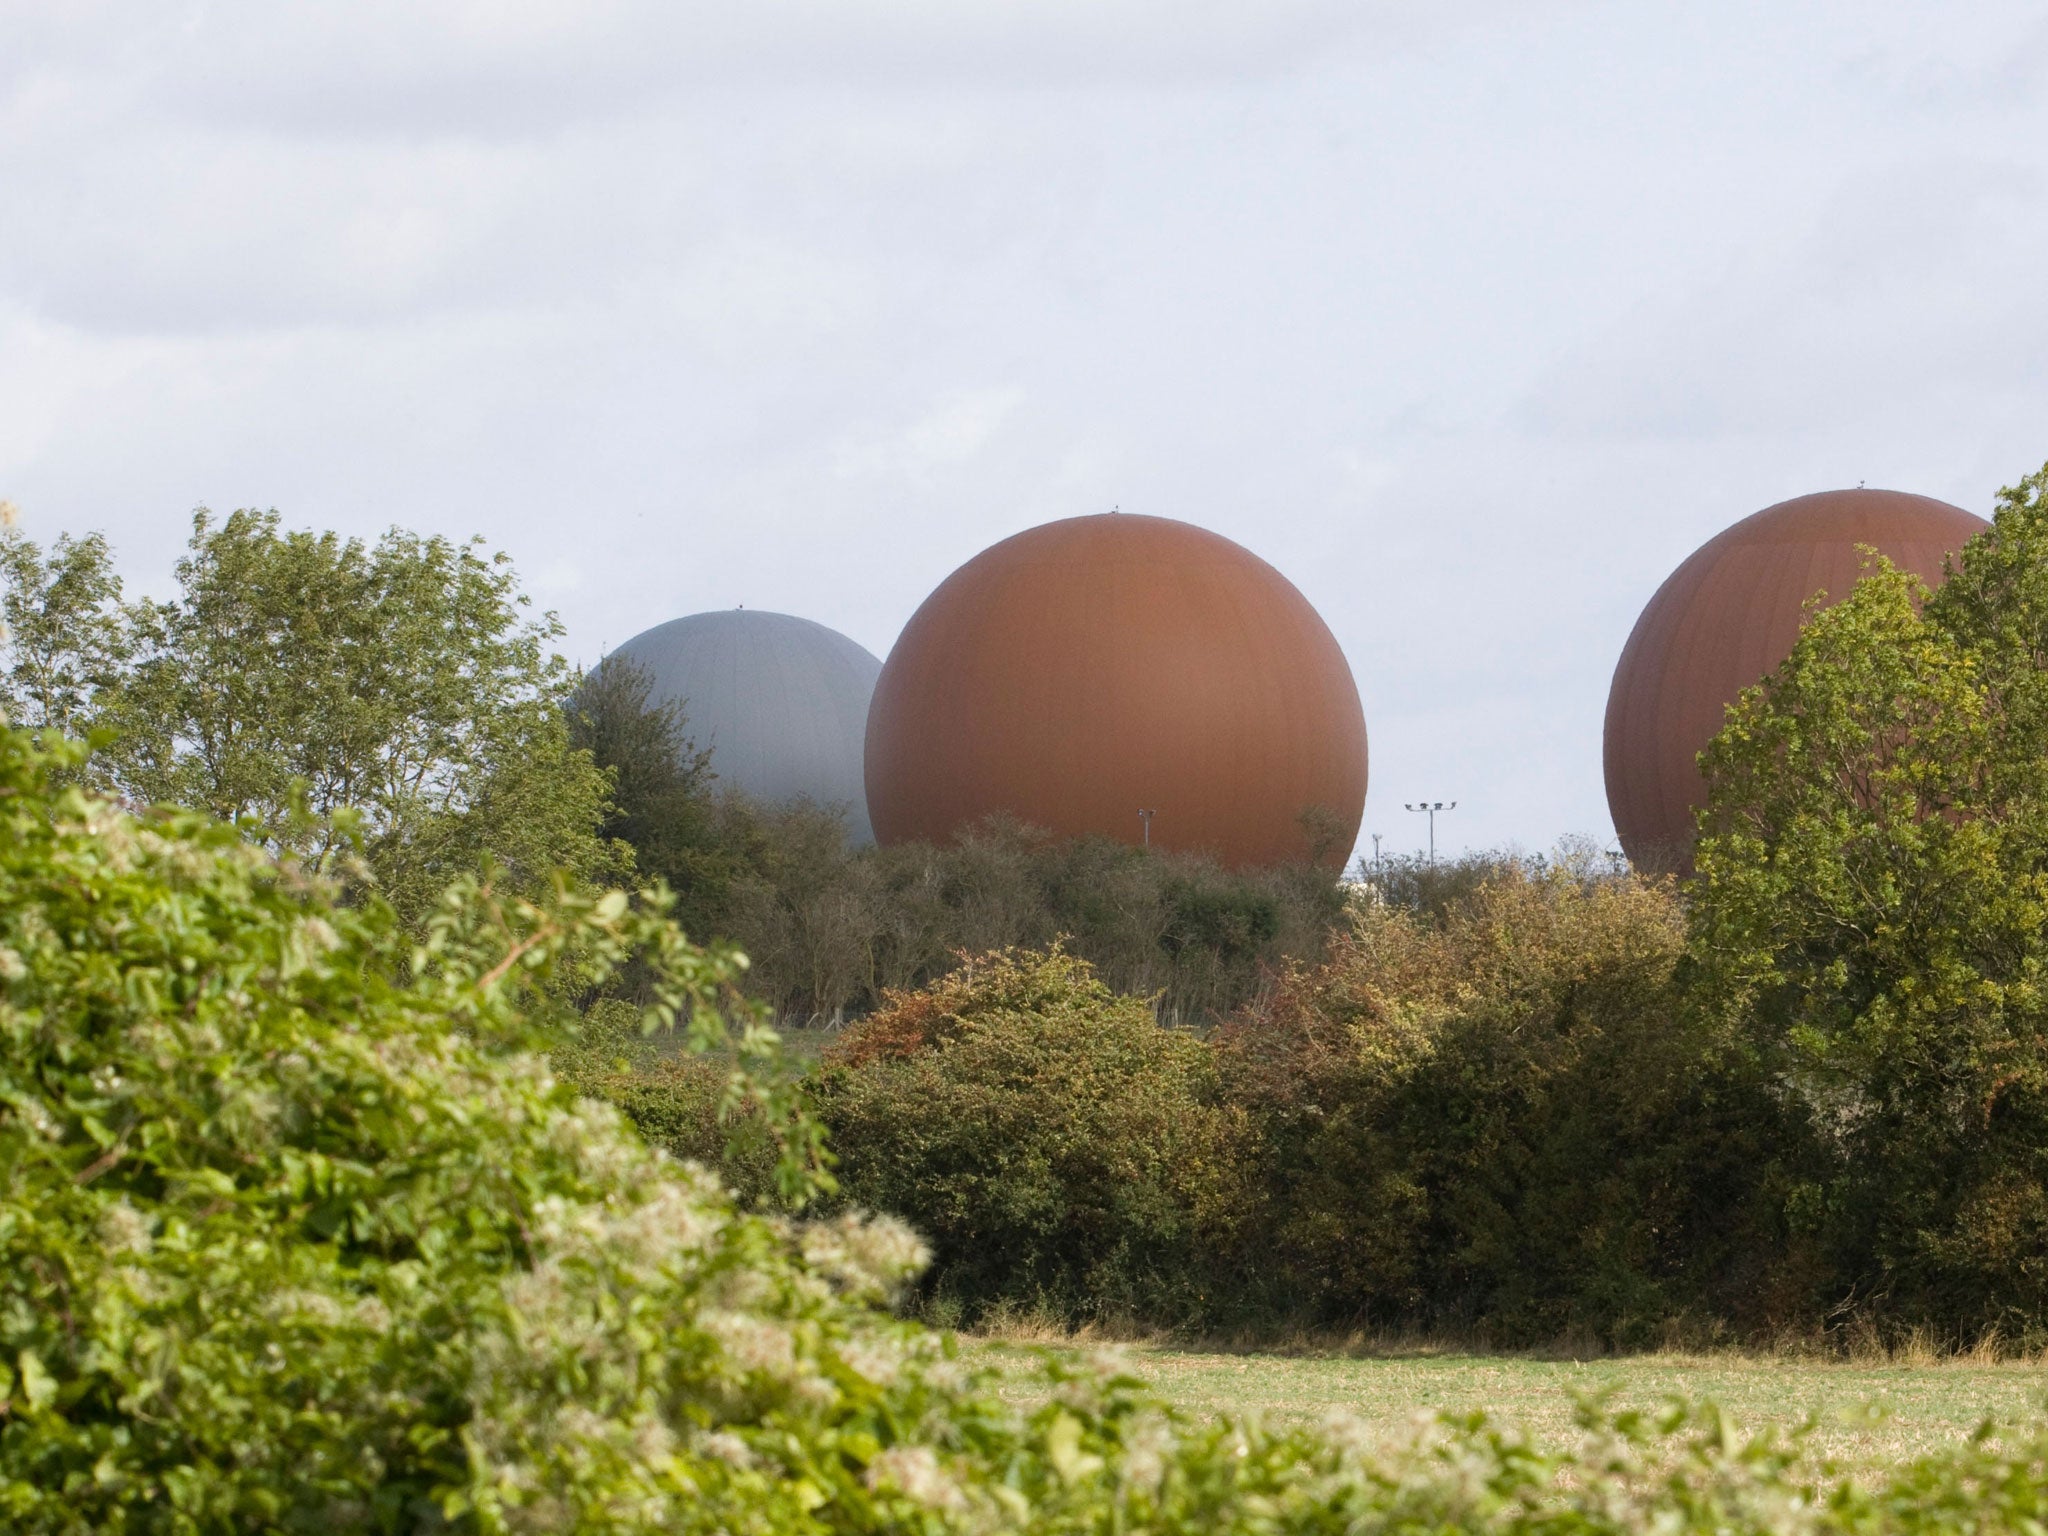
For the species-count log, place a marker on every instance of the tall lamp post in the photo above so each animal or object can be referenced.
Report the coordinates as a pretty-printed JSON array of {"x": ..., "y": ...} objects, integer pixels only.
[{"x": 1431, "y": 807}]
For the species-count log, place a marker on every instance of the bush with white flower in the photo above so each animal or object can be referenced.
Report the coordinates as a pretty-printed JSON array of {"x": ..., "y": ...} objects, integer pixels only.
[{"x": 298, "y": 1231}]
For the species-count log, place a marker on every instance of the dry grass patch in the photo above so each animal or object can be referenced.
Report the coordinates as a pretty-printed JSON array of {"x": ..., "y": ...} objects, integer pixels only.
[{"x": 1870, "y": 1411}]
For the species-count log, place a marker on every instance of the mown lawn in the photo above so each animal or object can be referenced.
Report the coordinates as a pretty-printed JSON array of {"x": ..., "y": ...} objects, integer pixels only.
[{"x": 1919, "y": 1406}]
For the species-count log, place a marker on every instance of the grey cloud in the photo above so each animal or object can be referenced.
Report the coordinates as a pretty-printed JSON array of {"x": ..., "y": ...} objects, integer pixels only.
[
  {"x": 2008, "y": 69},
  {"x": 399, "y": 66},
  {"x": 1908, "y": 280}
]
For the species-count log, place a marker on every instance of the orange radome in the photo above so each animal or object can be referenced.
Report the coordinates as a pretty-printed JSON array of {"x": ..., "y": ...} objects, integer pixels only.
[
  {"x": 1724, "y": 620},
  {"x": 1088, "y": 669}
]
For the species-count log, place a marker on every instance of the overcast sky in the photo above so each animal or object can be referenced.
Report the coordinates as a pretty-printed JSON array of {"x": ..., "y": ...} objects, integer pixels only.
[{"x": 1474, "y": 319}]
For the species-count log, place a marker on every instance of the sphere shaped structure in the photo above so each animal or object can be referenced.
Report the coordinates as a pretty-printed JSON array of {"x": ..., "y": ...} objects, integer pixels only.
[
  {"x": 780, "y": 702},
  {"x": 1132, "y": 677},
  {"x": 1723, "y": 621}
]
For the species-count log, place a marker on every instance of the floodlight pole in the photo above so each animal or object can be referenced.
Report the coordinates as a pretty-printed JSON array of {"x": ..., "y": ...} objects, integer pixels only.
[
  {"x": 1432, "y": 807},
  {"x": 1146, "y": 818}
]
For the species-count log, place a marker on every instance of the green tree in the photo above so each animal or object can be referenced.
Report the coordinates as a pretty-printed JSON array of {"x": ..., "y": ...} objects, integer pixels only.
[
  {"x": 662, "y": 802},
  {"x": 297, "y": 675},
  {"x": 1872, "y": 900},
  {"x": 69, "y": 637}
]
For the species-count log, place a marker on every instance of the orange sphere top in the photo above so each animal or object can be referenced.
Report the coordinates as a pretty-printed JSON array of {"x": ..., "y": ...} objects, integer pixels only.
[
  {"x": 1723, "y": 621},
  {"x": 1092, "y": 669}
]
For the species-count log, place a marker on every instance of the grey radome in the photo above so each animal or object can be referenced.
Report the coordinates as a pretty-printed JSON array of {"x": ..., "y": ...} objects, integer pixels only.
[{"x": 781, "y": 702}]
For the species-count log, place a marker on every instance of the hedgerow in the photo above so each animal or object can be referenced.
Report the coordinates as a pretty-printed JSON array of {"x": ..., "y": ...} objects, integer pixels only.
[{"x": 1508, "y": 1121}]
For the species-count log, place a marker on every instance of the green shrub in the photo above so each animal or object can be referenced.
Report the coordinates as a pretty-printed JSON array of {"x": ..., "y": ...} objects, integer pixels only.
[
  {"x": 1059, "y": 1149},
  {"x": 1506, "y": 1120}
]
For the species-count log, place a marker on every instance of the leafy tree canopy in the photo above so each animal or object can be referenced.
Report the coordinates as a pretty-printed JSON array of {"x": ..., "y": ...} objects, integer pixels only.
[
  {"x": 297, "y": 675},
  {"x": 68, "y": 637},
  {"x": 1873, "y": 898}
]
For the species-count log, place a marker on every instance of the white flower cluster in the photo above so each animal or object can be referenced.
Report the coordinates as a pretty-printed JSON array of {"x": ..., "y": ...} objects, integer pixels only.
[
  {"x": 306, "y": 944},
  {"x": 916, "y": 1472},
  {"x": 1149, "y": 1445},
  {"x": 659, "y": 1301},
  {"x": 618, "y": 1281},
  {"x": 869, "y": 1257},
  {"x": 328, "y": 1310},
  {"x": 752, "y": 1346},
  {"x": 35, "y": 1114},
  {"x": 124, "y": 1230},
  {"x": 723, "y": 1445},
  {"x": 878, "y": 1358}
]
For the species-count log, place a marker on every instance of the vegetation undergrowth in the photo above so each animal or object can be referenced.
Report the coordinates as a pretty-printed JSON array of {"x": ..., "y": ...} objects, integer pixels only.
[{"x": 299, "y": 1232}]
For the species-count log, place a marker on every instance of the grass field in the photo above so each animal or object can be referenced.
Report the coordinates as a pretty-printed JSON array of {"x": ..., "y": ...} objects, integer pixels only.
[{"x": 1919, "y": 1406}]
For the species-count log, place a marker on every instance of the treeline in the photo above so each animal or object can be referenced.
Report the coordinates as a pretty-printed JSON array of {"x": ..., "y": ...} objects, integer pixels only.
[
  {"x": 1805, "y": 1092},
  {"x": 1501, "y": 1117},
  {"x": 1526, "y": 1118},
  {"x": 1803, "y": 1095}
]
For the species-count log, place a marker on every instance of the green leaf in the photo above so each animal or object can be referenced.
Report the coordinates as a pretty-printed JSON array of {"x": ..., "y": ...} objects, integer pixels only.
[
  {"x": 38, "y": 1386},
  {"x": 1063, "y": 1450}
]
